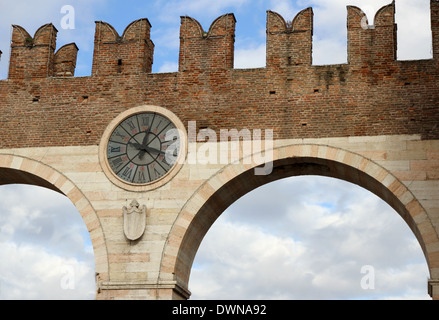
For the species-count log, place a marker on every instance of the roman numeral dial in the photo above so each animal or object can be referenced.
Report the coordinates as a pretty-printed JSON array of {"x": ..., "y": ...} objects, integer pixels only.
[{"x": 143, "y": 148}]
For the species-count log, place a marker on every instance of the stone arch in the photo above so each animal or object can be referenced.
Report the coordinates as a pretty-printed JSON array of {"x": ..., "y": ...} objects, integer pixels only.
[
  {"x": 22, "y": 170},
  {"x": 235, "y": 180}
]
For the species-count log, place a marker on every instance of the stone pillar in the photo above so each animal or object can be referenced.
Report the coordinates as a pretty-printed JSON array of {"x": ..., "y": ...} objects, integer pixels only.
[{"x": 433, "y": 288}]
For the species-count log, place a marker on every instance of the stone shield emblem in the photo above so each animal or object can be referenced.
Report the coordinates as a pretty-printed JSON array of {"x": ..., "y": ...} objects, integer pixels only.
[{"x": 134, "y": 220}]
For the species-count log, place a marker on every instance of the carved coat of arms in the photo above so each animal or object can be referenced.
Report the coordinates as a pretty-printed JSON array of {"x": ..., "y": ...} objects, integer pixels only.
[{"x": 134, "y": 220}]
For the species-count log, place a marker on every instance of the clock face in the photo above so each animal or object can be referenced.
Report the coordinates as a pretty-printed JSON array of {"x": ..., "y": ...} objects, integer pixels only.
[{"x": 143, "y": 148}]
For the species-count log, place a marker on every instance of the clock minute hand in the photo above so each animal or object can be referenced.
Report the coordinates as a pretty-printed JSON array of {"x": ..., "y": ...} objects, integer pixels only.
[{"x": 145, "y": 139}]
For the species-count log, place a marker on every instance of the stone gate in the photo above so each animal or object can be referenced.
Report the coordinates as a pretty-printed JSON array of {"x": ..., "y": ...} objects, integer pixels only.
[{"x": 151, "y": 160}]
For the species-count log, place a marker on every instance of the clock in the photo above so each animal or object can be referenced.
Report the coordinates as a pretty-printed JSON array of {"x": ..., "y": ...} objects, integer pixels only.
[{"x": 142, "y": 147}]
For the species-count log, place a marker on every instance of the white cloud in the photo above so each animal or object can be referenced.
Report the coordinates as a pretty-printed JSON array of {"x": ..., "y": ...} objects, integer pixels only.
[
  {"x": 250, "y": 255},
  {"x": 250, "y": 57},
  {"x": 43, "y": 243},
  {"x": 30, "y": 272},
  {"x": 166, "y": 38},
  {"x": 414, "y": 30},
  {"x": 203, "y": 8},
  {"x": 328, "y": 51},
  {"x": 285, "y": 8},
  {"x": 299, "y": 247},
  {"x": 168, "y": 66}
]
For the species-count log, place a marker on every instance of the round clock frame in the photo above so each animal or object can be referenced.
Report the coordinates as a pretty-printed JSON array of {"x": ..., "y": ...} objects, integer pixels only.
[{"x": 132, "y": 151}]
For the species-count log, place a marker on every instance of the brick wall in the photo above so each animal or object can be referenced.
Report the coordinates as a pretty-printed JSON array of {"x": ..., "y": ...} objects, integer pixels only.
[
  {"x": 435, "y": 26},
  {"x": 200, "y": 50},
  {"x": 131, "y": 53},
  {"x": 370, "y": 45},
  {"x": 32, "y": 57},
  {"x": 371, "y": 95},
  {"x": 289, "y": 43}
]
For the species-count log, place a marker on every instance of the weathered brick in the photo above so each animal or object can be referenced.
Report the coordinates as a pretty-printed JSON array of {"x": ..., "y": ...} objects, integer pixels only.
[{"x": 373, "y": 95}]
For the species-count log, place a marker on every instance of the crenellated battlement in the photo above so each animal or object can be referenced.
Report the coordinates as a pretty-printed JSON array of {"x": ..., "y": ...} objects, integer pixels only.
[
  {"x": 372, "y": 43},
  {"x": 289, "y": 44},
  {"x": 213, "y": 49},
  {"x": 35, "y": 57},
  {"x": 131, "y": 53}
]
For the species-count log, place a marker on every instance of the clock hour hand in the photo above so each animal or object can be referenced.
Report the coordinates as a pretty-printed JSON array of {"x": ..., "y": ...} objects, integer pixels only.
[
  {"x": 148, "y": 149},
  {"x": 138, "y": 146}
]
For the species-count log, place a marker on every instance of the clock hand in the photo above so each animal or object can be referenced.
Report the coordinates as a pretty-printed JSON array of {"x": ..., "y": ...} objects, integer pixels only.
[
  {"x": 140, "y": 148},
  {"x": 136, "y": 145},
  {"x": 149, "y": 149},
  {"x": 145, "y": 139},
  {"x": 143, "y": 149},
  {"x": 141, "y": 154}
]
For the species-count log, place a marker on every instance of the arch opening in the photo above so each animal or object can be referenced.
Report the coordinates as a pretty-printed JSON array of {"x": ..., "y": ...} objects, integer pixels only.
[
  {"x": 25, "y": 172},
  {"x": 236, "y": 180},
  {"x": 309, "y": 237},
  {"x": 45, "y": 248}
]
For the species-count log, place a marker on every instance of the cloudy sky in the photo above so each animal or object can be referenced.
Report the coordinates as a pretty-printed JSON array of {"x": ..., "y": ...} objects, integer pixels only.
[
  {"x": 45, "y": 248},
  {"x": 309, "y": 238},
  {"x": 297, "y": 238}
]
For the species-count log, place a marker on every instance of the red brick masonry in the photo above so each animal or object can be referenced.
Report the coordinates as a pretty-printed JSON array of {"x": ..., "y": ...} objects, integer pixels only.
[{"x": 43, "y": 104}]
